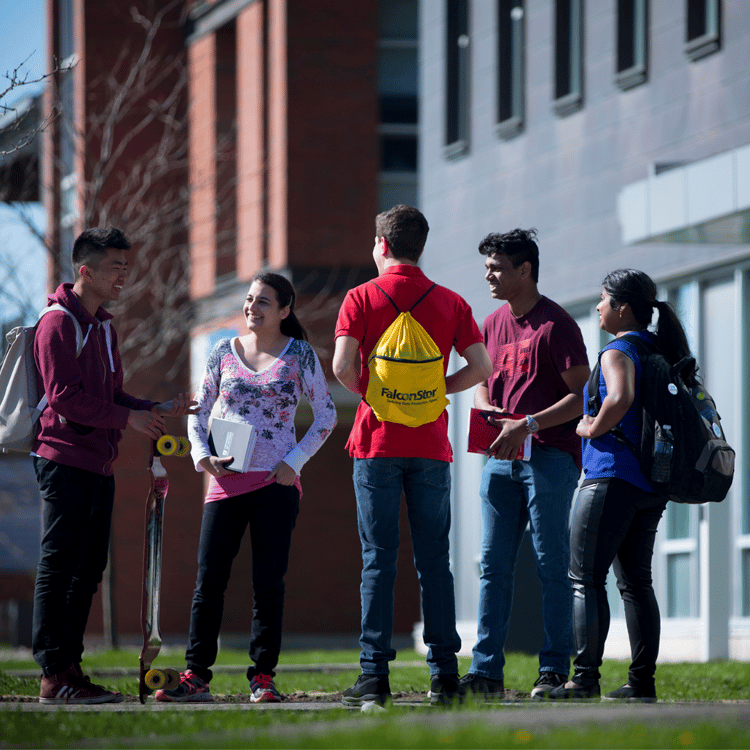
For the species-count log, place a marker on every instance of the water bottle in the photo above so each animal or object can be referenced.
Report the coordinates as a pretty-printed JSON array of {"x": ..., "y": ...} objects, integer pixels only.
[{"x": 663, "y": 447}]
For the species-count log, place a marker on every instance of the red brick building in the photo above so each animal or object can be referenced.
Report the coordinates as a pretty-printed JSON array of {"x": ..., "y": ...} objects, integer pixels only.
[{"x": 277, "y": 154}]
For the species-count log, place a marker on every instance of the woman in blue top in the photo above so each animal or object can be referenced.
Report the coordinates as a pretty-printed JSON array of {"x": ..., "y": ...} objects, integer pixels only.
[{"x": 616, "y": 513}]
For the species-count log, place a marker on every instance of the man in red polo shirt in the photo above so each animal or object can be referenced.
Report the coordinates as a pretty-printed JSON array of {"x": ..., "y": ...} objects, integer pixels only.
[{"x": 391, "y": 458}]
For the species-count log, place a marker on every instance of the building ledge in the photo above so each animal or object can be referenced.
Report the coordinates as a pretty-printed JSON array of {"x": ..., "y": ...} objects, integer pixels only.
[{"x": 706, "y": 201}]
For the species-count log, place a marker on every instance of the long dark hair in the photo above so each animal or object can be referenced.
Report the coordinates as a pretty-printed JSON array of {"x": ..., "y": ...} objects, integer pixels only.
[
  {"x": 637, "y": 289},
  {"x": 285, "y": 296}
]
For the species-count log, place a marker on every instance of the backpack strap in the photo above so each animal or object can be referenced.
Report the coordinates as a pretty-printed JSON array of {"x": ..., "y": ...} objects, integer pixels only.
[
  {"x": 387, "y": 296},
  {"x": 80, "y": 339},
  {"x": 595, "y": 402},
  {"x": 422, "y": 297},
  {"x": 396, "y": 306}
]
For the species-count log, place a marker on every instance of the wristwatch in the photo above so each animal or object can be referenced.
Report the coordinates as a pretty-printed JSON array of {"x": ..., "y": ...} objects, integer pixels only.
[{"x": 531, "y": 424}]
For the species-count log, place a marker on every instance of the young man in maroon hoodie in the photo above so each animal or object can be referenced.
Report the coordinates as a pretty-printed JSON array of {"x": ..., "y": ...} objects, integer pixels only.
[{"x": 73, "y": 454}]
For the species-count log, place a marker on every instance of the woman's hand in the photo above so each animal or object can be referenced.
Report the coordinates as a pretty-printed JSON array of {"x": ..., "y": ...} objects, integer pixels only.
[
  {"x": 283, "y": 473},
  {"x": 585, "y": 426},
  {"x": 216, "y": 466}
]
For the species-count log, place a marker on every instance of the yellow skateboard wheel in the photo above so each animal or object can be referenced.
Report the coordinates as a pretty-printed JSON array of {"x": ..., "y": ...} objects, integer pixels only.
[
  {"x": 184, "y": 448},
  {"x": 155, "y": 679},
  {"x": 167, "y": 445},
  {"x": 172, "y": 679}
]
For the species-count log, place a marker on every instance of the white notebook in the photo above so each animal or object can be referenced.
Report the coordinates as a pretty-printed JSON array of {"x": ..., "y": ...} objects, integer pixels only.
[{"x": 236, "y": 439}]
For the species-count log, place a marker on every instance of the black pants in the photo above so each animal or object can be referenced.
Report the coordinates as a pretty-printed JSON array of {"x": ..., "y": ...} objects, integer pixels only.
[
  {"x": 76, "y": 521},
  {"x": 271, "y": 513},
  {"x": 614, "y": 522}
]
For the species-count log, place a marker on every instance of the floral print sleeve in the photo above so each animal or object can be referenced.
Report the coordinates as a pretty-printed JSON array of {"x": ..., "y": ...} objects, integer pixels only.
[
  {"x": 267, "y": 399},
  {"x": 315, "y": 388}
]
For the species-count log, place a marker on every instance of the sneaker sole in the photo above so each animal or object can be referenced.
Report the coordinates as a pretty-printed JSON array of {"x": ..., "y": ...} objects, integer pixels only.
[
  {"x": 632, "y": 699},
  {"x": 92, "y": 701},
  {"x": 444, "y": 699},
  {"x": 195, "y": 698},
  {"x": 265, "y": 698},
  {"x": 371, "y": 698}
]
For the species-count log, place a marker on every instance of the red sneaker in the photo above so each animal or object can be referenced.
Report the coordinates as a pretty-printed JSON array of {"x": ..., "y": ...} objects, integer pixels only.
[
  {"x": 263, "y": 690},
  {"x": 69, "y": 687}
]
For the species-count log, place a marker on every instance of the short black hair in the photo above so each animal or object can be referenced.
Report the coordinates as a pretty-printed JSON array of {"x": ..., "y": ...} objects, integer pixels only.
[
  {"x": 405, "y": 229},
  {"x": 519, "y": 245},
  {"x": 92, "y": 245}
]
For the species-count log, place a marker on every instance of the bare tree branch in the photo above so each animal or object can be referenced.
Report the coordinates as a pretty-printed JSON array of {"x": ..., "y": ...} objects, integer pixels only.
[{"x": 13, "y": 115}]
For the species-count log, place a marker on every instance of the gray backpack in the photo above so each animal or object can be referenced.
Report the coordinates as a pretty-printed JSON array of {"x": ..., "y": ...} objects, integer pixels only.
[{"x": 20, "y": 405}]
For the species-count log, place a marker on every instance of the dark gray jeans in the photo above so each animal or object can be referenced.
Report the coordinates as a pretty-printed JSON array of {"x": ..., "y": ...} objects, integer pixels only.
[
  {"x": 614, "y": 522},
  {"x": 76, "y": 521}
]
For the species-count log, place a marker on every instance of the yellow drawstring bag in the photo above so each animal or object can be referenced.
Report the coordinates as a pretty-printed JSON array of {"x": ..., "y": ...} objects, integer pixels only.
[{"x": 407, "y": 377}]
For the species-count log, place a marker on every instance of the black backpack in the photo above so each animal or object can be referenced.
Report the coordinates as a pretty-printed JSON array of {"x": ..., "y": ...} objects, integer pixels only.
[{"x": 682, "y": 452}]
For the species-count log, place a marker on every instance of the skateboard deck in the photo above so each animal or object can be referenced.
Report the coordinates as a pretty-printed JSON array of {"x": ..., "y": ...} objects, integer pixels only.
[{"x": 153, "y": 679}]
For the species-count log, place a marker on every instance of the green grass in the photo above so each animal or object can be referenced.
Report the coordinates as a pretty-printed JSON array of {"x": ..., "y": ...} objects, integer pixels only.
[{"x": 465, "y": 727}]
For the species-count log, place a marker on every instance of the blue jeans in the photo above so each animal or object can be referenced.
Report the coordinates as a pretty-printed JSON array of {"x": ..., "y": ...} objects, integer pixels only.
[
  {"x": 271, "y": 514},
  {"x": 76, "y": 521},
  {"x": 378, "y": 484},
  {"x": 537, "y": 492}
]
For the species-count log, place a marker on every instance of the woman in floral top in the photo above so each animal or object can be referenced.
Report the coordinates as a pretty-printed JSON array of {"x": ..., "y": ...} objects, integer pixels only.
[{"x": 257, "y": 378}]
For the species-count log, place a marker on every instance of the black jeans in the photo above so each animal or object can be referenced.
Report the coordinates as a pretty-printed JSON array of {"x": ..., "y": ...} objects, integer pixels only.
[
  {"x": 271, "y": 513},
  {"x": 76, "y": 521},
  {"x": 614, "y": 522}
]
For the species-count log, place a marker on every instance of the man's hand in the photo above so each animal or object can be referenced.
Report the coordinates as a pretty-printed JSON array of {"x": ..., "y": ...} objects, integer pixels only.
[
  {"x": 177, "y": 407},
  {"x": 283, "y": 473},
  {"x": 216, "y": 466},
  {"x": 148, "y": 422},
  {"x": 512, "y": 434}
]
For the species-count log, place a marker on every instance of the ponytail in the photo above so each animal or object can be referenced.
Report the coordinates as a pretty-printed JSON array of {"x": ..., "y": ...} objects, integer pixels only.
[
  {"x": 672, "y": 341},
  {"x": 285, "y": 296}
]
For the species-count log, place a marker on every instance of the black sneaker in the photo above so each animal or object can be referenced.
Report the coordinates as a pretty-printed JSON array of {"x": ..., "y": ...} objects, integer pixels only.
[
  {"x": 546, "y": 682},
  {"x": 369, "y": 688},
  {"x": 477, "y": 685},
  {"x": 575, "y": 693},
  {"x": 192, "y": 689},
  {"x": 444, "y": 689},
  {"x": 630, "y": 694}
]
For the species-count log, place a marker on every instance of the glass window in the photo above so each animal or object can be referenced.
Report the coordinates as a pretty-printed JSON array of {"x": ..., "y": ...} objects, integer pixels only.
[
  {"x": 397, "y": 85},
  {"x": 703, "y": 28},
  {"x": 396, "y": 190},
  {"x": 568, "y": 56},
  {"x": 457, "y": 76},
  {"x": 398, "y": 153},
  {"x": 678, "y": 521},
  {"x": 398, "y": 19},
  {"x": 510, "y": 22},
  {"x": 678, "y": 585},
  {"x": 632, "y": 42},
  {"x": 613, "y": 596}
]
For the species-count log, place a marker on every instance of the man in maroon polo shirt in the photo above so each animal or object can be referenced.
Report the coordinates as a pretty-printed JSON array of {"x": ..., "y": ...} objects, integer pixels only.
[{"x": 391, "y": 458}]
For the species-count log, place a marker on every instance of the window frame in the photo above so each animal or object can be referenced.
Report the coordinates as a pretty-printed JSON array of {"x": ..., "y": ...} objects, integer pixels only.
[
  {"x": 708, "y": 40},
  {"x": 568, "y": 56},
  {"x": 457, "y": 73},
  {"x": 511, "y": 67},
  {"x": 634, "y": 13}
]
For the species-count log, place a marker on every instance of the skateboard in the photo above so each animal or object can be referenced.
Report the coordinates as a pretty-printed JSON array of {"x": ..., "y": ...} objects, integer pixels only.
[{"x": 154, "y": 679}]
